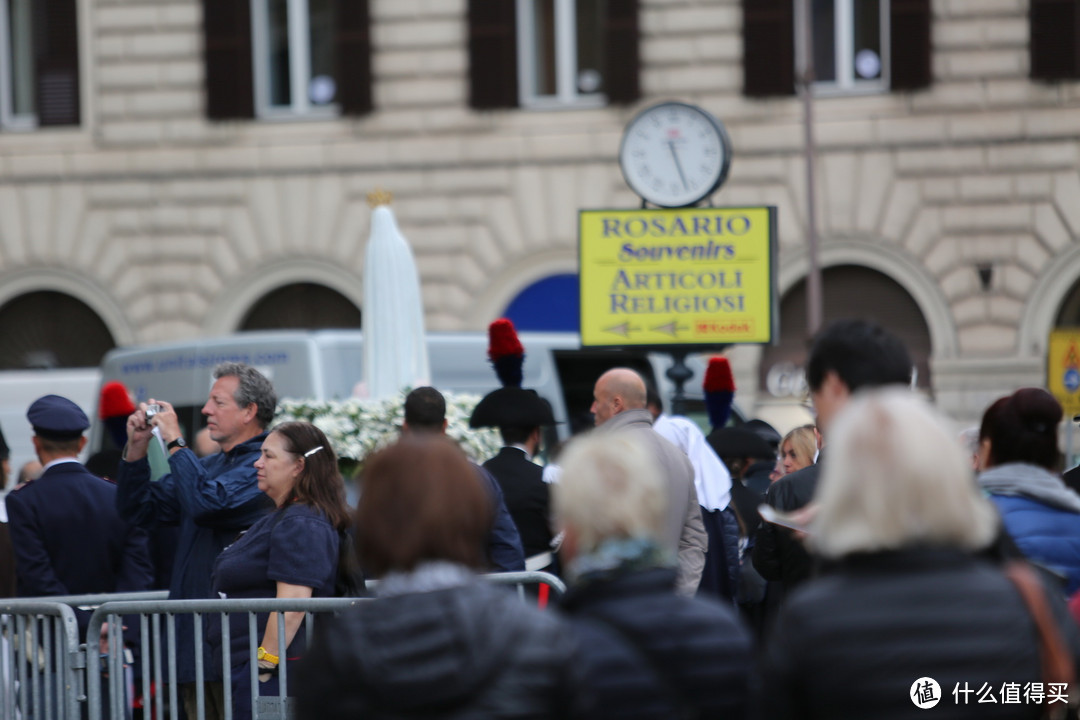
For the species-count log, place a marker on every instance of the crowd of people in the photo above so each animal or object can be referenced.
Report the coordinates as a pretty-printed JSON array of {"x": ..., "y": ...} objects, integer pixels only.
[{"x": 900, "y": 569}]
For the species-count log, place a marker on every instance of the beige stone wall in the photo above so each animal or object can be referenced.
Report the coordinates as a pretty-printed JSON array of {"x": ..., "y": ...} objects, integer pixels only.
[{"x": 171, "y": 226}]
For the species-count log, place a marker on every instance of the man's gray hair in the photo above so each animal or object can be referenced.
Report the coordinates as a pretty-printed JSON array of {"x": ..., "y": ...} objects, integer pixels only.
[{"x": 253, "y": 388}]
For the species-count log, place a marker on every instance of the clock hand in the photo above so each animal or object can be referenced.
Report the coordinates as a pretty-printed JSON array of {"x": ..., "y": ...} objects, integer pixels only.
[{"x": 678, "y": 165}]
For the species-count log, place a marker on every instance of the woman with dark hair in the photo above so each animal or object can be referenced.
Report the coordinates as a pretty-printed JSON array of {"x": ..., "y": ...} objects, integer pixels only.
[
  {"x": 1021, "y": 465},
  {"x": 291, "y": 553},
  {"x": 437, "y": 641}
]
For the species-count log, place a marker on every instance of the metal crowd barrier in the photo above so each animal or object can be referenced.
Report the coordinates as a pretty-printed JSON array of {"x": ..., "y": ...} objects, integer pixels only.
[
  {"x": 77, "y": 671},
  {"x": 161, "y": 674},
  {"x": 153, "y": 613},
  {"x": 41, "y": 666}
]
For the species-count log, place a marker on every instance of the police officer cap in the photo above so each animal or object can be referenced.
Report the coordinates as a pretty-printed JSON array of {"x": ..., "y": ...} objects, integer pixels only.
[{"x": 57, "y": 418}]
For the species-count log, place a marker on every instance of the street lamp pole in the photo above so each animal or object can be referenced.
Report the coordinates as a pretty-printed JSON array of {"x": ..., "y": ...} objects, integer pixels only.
[{"x": 806, "y": 77}]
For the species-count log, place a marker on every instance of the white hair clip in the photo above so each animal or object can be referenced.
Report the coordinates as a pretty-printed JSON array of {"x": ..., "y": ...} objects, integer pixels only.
[{"x": 312, "y": 451}]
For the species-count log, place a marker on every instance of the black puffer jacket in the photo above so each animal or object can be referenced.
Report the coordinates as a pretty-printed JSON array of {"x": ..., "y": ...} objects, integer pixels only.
[
  {"x": 472, "y": 651},
  {"x": 851, "y": 643},
  {"x": 649, "y": 653}
]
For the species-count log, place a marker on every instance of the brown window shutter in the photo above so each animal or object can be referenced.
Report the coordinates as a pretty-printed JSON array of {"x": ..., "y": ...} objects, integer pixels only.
[
  {"x": 621, "y": 52},
  {"x": 1055, "y": 39},
  {"x": 56, "y": 38},
  {"x": 493, "y": 81},
  {"x": 768, "y": 47},
  {"x": 353, "y": 38},
  {"x": 909, "y": 44},
  {"x": 230, "y": 90}
]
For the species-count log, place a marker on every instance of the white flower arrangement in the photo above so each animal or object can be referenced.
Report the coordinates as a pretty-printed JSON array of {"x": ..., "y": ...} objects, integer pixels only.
[{"x": 357, "y": 428}]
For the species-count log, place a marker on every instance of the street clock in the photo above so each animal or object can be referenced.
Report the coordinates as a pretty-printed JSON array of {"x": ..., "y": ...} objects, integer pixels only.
[{"x": 674, "y": 154}]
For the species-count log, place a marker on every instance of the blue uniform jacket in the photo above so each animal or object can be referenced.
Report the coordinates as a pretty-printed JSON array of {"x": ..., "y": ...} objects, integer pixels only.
[
  {"x": 211, "y": 500},
  {"x": 69, "y": 540}
]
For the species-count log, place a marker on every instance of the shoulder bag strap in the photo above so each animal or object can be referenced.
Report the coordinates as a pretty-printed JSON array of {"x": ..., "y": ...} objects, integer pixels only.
[{"x": 1054, "y": 657}]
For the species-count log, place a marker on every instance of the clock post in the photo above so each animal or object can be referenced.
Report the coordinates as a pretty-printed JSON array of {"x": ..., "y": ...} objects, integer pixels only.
[
  {"x": 679, "y": 373},
  {"x": 675, "y": 155}
]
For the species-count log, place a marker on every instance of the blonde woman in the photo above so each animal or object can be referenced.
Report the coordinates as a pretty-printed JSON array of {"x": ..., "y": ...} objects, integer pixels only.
[{"x": 798, "y": 449}]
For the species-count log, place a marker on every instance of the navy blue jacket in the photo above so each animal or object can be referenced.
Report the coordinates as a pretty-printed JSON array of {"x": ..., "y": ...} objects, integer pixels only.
[
  {"x": 1045, "y": 535},
  {"x": 69, "y": 539},
  {"x": 211, "y": 500},
  {"x": 649, "y": 653},
  {"x": 504, "y": 542}
]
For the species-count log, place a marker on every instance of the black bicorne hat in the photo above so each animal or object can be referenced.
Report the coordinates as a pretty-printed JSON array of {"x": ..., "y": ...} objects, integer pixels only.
[{"x": 511, "y": 405}]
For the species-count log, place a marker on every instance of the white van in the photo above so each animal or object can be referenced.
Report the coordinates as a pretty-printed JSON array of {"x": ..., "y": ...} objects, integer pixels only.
[
  {"x": 19, "y": 388},
  {"x": 326, "y": 365}
]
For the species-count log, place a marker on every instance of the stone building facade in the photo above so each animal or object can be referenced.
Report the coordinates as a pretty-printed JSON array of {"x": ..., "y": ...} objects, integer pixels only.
[{"x": 960, "y": 198}]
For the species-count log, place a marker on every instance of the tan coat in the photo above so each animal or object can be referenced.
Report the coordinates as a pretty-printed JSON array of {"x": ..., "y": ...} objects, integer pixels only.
[{"x": 684, "y": 530}]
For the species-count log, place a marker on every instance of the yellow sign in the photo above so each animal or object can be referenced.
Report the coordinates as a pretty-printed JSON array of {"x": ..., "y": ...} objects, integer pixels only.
[
  {"x": 1063, "y": 369},
  {"x": 695, "y": 276}
]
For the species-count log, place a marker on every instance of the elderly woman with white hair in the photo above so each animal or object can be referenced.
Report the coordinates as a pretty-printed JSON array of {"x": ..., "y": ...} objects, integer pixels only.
[
  {"x": 912, "y": 610},
  {"x": 646, "y": 651}
]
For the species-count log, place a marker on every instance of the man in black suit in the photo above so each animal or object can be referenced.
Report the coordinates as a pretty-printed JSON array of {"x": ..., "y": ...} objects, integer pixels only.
[
  {"x": 67, "y": 535},
  {"x": 526, "y": 494},
  {"x": 519, "y": 414}
]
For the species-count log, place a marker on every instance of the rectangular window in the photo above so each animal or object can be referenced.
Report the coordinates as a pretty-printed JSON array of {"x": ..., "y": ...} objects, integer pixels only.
[
  {"x": 18, "y": 102},
  {"x": 851, "y": 47},
  {"x": 293, "y": 48},
  {"x": 561, "y": 52}
]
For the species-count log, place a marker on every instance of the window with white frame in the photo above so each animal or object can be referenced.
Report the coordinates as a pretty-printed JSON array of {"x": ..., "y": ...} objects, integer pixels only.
[
  {"x": 851, "y": 45},
  {"x": 561, "y": 52},
  {"x": 293, "y": 45},
  {"x": 18, "y": 102}
]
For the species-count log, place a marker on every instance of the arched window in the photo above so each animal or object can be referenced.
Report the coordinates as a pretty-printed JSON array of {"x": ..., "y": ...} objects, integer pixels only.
[
  {"x": 850, "y": 291},
  {"x": 1069, "y": 312},
  {"x": 304, "y": 306},
  {"x": 48, "y": 329},
  {"x": 551, "y": 304}
]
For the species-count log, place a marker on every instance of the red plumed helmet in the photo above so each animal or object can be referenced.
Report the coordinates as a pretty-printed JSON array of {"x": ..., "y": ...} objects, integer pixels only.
[
  {"x": 718, "y": 377},
  {"x": 719, "y": 387},
  {"x": 115, "y": 401},
  {"x": 503, "y": 340}
]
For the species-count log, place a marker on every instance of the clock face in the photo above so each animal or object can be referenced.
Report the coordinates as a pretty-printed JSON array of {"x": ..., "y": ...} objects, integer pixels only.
[{"x": 674, "y": 154}]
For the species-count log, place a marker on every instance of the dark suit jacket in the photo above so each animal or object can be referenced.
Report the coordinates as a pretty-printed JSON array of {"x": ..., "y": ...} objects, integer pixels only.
[
  {"x": 527, "y": 497},
  {"x": 69, "y": 540}
]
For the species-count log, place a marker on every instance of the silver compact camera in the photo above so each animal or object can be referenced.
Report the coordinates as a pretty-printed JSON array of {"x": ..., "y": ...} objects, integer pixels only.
[{"x": 152, "y": 410}]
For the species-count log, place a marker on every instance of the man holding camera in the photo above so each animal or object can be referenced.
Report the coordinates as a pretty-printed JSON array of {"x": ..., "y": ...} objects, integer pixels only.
[{"x": 211, "y": 499}]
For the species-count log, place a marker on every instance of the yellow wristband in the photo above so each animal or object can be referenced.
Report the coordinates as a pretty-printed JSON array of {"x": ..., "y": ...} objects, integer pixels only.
[{"x": 263, "y": 655}]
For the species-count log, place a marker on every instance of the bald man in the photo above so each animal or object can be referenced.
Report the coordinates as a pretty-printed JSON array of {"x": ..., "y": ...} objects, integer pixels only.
[{"x": 619, "y": 405}]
